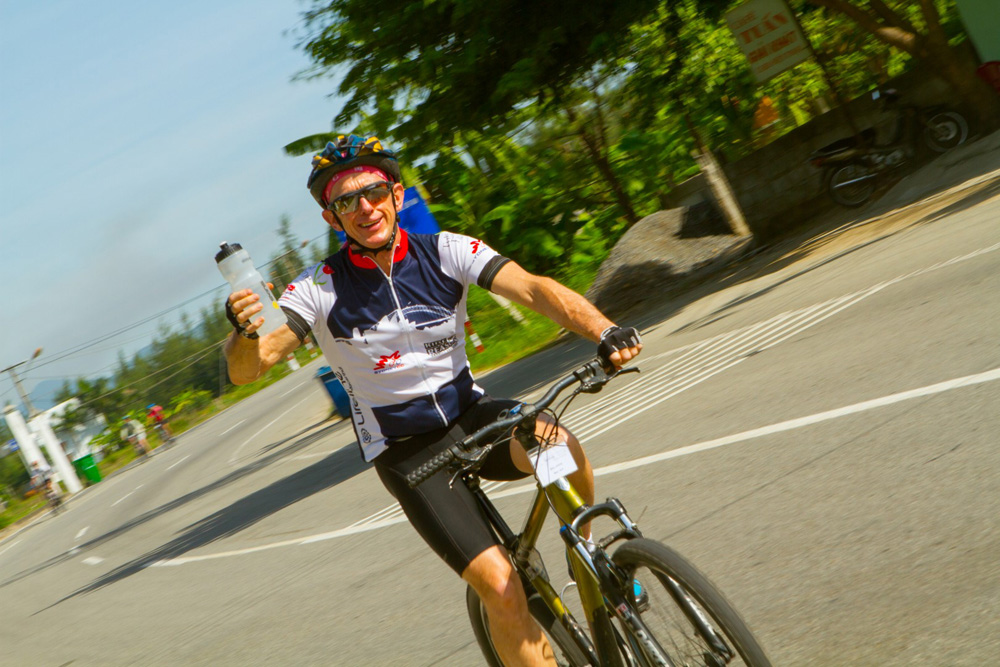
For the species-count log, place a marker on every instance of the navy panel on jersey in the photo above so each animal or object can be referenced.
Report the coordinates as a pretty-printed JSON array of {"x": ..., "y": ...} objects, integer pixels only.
[{"x": 420, "y": 415}]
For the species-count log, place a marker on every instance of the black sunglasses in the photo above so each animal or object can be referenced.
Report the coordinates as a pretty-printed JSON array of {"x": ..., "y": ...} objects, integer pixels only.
[{"x": 376, "y": 193}]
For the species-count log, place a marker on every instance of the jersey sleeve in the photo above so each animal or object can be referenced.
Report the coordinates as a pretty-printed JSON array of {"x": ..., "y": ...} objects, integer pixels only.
[
  {"x": 469, "y": 260},
  {"x": 299, "y": 302}
]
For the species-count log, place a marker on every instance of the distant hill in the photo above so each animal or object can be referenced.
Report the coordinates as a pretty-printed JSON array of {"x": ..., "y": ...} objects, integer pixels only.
[{"x": 43, "y": 396}]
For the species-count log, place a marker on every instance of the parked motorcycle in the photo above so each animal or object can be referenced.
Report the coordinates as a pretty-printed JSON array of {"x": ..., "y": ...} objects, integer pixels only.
[{"x": 853, "y": 165}]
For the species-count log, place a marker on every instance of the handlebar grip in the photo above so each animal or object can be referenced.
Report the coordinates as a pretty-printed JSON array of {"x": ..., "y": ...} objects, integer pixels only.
[{"x": 425, "y": 471}]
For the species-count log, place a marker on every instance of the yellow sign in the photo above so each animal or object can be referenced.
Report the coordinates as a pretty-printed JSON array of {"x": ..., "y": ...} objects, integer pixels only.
[{"x": 769, "y": 36}]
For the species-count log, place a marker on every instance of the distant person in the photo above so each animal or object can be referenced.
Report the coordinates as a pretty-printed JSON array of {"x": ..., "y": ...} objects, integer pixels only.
[
  {"x": 157, "y": 418},
  {"x": 53, "y": 494},
  {"x": 134, "y": 432},
  {"x": 40, "y": 475},
  {"x": 388, "y": 312}
]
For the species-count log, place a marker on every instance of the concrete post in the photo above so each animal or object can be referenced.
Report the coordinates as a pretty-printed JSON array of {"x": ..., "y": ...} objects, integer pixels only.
[
  {"x": 509, "y": 307},
  {"x": 27, "y": 447},
  {"x": 52, "y": 445}
]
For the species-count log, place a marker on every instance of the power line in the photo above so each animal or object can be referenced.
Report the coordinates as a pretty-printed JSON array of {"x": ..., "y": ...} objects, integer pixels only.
[
  {"x": 100, "y": 339},
  {"x": 200, "y": 355}
]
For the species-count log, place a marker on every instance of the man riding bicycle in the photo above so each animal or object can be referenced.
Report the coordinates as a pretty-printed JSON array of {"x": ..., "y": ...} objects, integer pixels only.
[
  {"x": 156, "y": 417},
  {"x": 388, "y": 311}
]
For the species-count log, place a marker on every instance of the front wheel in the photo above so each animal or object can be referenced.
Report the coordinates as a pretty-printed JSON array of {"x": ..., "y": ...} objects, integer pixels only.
[
  {"x": 567, "y": 653},
  {"x": 685, "y": 614},
  {"x": 945, "y": 130},
  {"x": 851, "y": 184}
]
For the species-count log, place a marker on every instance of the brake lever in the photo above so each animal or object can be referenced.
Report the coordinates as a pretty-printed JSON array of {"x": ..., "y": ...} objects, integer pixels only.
[
  {"x": 595, "y": 383},
  {"x": 465, "y": 461}
]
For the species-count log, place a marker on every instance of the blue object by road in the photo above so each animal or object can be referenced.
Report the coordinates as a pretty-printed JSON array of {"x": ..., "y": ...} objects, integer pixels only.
[
  {"x": 341, "y": 401},
  {"x": 415, "y": 217}
]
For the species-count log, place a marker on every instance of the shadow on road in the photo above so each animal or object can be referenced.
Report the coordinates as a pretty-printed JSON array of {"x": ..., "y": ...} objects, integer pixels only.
[
  {"x": 294, "y": 444},
  {"x": 338, "y": 467}
]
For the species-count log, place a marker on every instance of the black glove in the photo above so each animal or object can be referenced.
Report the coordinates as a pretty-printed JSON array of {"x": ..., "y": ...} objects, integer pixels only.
[
  {"x": 241, "y": 327},
  {"x": 614, "y": 339}
]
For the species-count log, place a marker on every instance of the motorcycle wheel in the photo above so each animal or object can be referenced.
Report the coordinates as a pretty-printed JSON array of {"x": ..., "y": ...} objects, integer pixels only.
[
  {"x": 851, "y": 184},
  {"x": 945, "y": 130}
]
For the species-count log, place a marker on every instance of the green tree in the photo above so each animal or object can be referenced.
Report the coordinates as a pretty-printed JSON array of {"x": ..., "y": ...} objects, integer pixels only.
[
  {"x": 917, "y": 29},
  {"x": 286, "y": 263}
]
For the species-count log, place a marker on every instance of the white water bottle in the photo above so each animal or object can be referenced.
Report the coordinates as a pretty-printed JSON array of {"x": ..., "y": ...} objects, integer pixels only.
[{"x": 237, "y": 268}]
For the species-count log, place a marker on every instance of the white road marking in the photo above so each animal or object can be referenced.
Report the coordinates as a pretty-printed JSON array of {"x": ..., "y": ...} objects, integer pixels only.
[
  {"x": 92, "y": 560},
  {"x": 310, "y": 456},
  {"x": 232, "y": 427},
  {"x": 83, "y": 531},
  {"x": 791, "y": 424},
  {"x": 291, "y": 390},
  {"x": 126, "y": 495},
  {"x": 178, "y": 462},
  {"x": 10, "y": 546},
  {"x": 232, "y": 459},
  {"x": 695, "y": 363}
]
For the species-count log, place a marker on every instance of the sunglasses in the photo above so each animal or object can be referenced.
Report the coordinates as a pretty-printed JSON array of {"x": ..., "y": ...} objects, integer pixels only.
[{"x": 376, "y": 193}]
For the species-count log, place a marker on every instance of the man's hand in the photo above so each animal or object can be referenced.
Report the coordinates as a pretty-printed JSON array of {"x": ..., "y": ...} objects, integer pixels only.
[
  {"x": 241, "y": 307},
  {"x": 619, "y": 345}
]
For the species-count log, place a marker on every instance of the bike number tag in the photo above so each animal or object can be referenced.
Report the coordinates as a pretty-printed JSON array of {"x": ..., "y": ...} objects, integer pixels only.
[{"x": 553, "y": 463}]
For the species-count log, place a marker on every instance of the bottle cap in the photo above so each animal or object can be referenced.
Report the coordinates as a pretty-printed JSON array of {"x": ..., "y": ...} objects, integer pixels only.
[{"x": 227, "y": 249}]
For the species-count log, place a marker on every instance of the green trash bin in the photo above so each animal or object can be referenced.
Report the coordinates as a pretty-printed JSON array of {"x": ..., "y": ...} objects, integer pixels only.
[{"x": 87, "y": 468}]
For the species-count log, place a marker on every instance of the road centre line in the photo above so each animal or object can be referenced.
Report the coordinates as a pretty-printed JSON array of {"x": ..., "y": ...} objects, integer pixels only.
[
  {"x": 83, "y": 531},
  {"x": 10, "y": 546},
  {"x": 292, "y": 389},
  {"x": 126, "y": 495},
  {"x": 232, "y": 459},
  {"x": 178, "y": 462},
  {"x": 780, "y": 427},
  {"x": 232, "y": 427}
]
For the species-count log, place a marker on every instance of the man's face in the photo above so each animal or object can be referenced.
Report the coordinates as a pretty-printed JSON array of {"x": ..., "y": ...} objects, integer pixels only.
[{"x": 369, "y": 225}]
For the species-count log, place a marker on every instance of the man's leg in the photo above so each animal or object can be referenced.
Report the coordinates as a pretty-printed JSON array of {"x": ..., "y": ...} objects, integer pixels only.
[
  {"x": 516, "y": 636},
  {"x": 582, "y": 480}
]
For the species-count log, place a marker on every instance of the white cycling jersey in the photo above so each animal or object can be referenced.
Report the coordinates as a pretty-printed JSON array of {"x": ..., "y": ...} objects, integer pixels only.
[{"x": 396, "y": 342}]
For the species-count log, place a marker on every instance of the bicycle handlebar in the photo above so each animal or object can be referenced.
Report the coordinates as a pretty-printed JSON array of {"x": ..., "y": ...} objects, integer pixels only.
[{"x": 592, "y": 376}]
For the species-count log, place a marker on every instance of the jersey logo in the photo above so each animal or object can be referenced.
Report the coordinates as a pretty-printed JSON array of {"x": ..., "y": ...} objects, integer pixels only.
[
  {"x": 290, "y": 288},
  {"x": 439, "y": 346},
  {"x": 388, "y": 362},
  {"x": 475, "y": 246}
]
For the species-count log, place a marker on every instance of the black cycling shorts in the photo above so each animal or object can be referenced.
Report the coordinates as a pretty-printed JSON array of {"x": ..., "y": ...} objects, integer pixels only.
[{"x": 449, "y": 519}]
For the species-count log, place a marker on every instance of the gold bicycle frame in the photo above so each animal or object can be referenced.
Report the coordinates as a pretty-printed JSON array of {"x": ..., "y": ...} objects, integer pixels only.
[{"x": 567, "y": 503}]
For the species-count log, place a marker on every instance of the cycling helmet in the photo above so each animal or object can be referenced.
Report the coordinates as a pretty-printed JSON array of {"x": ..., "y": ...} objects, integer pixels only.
[{"x": 349, "y": 150}]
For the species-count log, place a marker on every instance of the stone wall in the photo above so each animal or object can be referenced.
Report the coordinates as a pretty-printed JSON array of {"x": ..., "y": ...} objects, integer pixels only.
[{"x": 776, "y": 186}]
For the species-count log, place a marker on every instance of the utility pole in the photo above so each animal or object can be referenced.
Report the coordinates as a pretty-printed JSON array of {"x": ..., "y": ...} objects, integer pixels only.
[
  {"x": 17, "y": 383},
  {"x": 30, "y": 450}
]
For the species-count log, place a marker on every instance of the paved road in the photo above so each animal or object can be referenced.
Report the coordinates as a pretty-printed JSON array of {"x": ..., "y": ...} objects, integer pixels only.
[{"x": 820, "y": 437}]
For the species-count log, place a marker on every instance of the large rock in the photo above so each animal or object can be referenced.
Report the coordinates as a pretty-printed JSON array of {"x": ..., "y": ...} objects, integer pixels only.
[{"x": 659, "y": 251}]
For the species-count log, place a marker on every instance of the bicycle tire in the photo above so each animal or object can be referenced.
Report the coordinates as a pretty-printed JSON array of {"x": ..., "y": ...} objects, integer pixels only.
[
  {"x": 651, "y": 563},
  {"x": 568, "y": 654}
]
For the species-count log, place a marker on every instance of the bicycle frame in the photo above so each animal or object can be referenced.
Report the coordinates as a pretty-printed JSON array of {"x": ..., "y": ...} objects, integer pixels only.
[{"x": 572, "y": 512}]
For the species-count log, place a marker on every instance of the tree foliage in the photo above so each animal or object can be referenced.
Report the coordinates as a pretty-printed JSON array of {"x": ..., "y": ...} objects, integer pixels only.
[{"x": 539, "y": 127}]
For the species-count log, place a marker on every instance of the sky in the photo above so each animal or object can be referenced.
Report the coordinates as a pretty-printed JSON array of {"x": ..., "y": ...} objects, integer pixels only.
[{"x": 134, "y": 138}]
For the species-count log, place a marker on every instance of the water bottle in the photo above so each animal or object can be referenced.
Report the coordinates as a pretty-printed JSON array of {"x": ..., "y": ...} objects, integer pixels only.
[{"x": 237, "y": 268}]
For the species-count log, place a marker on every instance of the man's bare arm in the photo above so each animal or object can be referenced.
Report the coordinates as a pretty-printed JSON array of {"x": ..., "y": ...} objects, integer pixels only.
[
  {"x": 557, "y": 302},
  {"x": 247, "y": 358}
]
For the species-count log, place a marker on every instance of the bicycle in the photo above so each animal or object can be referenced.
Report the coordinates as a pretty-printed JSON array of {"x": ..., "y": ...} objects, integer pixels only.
[
  {"x": 682, "y": 619},
  {"x": 53, "y": 496},
  {"x": 162, "y": 430}
]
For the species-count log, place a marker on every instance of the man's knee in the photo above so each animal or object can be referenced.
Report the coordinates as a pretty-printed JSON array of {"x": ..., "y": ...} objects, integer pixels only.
[{"x": 495, "y": 580}]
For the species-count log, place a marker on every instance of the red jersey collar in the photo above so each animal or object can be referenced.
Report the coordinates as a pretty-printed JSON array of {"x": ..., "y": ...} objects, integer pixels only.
[{"x": 366, "y": 262}]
